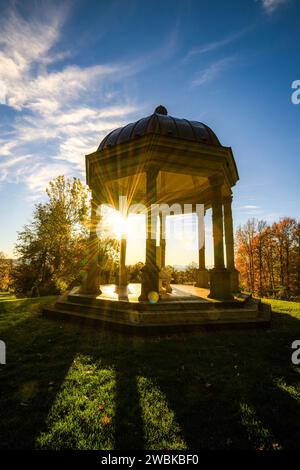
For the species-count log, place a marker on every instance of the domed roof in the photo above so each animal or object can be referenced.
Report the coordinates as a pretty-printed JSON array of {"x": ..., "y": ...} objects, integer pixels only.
[{"x": 160, "y": 123}]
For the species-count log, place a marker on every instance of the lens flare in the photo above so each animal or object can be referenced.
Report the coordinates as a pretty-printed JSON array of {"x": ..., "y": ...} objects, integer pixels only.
[{"x": 153, "y": 297}]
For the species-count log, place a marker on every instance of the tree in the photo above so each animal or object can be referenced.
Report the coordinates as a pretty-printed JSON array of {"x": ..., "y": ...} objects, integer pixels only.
[
  {"x": 268, "y": 257},
  {"x": 5, "y": 272},
  {"x": 245, "y": 253},
  {"x": 52, "y": 249}
]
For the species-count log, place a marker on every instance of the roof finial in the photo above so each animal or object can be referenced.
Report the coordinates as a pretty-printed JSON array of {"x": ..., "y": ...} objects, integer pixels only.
[{"x": 161, "y": 110}]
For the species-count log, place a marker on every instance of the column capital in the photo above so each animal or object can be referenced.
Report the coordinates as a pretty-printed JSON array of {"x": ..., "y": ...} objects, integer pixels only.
[
  {"x": 227, "y": 199},
  {"x": 216, "y": 180},
  {"x": 153, "y": 170}
]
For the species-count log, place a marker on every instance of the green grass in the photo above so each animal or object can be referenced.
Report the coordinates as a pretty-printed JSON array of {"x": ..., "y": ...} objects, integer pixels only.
[{"x": 71, "y": 387}]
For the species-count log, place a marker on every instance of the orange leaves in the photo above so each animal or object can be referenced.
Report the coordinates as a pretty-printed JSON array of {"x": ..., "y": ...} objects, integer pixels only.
[{"x": 106, "y": 420}]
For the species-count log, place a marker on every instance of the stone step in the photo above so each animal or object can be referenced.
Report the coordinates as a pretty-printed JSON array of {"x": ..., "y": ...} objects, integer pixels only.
[
  {"x": 238, "y": 316},
  {"x": 142, "y": 306},
  {"x": 112, "y": 309}
]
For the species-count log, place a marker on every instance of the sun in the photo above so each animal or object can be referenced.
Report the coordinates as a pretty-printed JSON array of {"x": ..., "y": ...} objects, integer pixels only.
[{"x": 113, "y": 224}]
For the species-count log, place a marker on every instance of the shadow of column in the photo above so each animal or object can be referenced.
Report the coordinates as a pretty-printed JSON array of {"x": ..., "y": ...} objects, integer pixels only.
[{"x": 129, "y": 427}]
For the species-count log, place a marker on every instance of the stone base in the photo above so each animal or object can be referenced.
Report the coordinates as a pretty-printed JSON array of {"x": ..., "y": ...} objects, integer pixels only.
[
  {"x": 91, "y": 283},
  {"x": 165, "y": 281},
  {"x": 202, "y": 278},
  {"x": 220, "y": 287},
  {"x": 164, "y": 317},
  {"x": 122, "y": 292},
  {"x": 234, "y": 280},
  {"x": 150, "y": 281}
]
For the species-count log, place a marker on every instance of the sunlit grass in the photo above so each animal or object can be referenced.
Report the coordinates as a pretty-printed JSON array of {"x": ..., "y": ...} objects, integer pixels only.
[
  {"x": 284, "y": 306},
  {"x": 292, "y": 390},
  {"x": 161, "y": 430},
  {"x": 258, "y": 434},
  {"x": 82, "y": 416}
]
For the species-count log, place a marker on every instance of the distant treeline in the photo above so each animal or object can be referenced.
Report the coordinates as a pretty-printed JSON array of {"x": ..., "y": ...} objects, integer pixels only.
[{"x": 268, "y": 258}]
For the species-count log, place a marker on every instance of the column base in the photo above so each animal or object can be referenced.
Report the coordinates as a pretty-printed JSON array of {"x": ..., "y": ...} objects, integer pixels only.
[
  {"x": 202, "y": 278},
  {"x": 122, "y": 292},
  {"x": 234, "y": 280},
  {"x": 220, "y": 287},
  {"x": 91, "y": 284},
  {"x": 165, "y": 281},
  {"x": 150, "y": 281}
]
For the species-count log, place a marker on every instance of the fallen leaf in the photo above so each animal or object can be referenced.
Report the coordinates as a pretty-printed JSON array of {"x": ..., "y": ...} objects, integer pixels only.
[{"x": 106, "y": 420}]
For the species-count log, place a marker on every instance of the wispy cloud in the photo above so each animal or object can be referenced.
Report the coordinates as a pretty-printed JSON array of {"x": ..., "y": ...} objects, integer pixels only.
[
  {"x": 55, "y": 123},
  {"x": 8, "y": 163},
  {"x": 249, "y": 207},
  {"x": 215, "y": 45},
  {"x": 272, "y": 5},
  {"x": 38, "y": 179},
  {"x": 213, "y": 71}
]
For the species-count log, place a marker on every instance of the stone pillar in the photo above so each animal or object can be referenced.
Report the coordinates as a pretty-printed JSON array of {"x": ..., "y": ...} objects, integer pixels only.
[
  {"x": 91, "y": 283},
  {"x": 219, "y": 275},
  {"x": 162, "y": 219},
  {"x": 123, "y": 285},
  {"x": 202, "y": 275},
  {"x": 229, "y": 241},
  {"x": 165, "y": 276},
  {"x": 150, "y": 272}
]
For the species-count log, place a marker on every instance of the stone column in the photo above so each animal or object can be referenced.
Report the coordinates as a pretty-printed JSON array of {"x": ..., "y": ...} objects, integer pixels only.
[
  {"x": 150, "y": 272},
  {"x": 165, "y": 276},
  {"x": 162, "y": 218},
  {"x": 219, "y": 275},
  {"x": 229, "y": 241},
  {"x": 91, "y": 283},
  {"x": 123, "y": 286},
  {"x": 202, "y": 275}
]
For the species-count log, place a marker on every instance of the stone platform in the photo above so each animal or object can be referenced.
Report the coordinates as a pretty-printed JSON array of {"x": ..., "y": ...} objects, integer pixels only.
[{"x": 187, "y": 308}]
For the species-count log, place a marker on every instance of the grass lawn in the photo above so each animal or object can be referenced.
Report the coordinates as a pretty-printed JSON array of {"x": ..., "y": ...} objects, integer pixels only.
[{"x": 71, "y": 387}]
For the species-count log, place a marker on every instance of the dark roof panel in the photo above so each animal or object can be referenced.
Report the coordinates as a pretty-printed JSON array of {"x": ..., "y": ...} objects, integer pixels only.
[{"x": 161, "y": 124}]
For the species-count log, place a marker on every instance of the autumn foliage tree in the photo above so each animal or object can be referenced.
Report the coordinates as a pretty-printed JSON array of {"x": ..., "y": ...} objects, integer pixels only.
[
  {"x": 5, "y": 272},
  {"x": 52, "y": 248},
  {"x": 268, "y": 257}
]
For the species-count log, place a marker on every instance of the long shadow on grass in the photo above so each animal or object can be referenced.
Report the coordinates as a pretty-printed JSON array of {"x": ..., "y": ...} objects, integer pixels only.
[
  {"x": 225, "y": 387},
  {"x": 222, "y": 387},
  {"x": 39, "y": 354},
  {"x": 129, "y": 428}
]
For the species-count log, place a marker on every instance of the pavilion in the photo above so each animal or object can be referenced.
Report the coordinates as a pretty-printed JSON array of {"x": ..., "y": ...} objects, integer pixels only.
[{"x": 164, "y": 161}]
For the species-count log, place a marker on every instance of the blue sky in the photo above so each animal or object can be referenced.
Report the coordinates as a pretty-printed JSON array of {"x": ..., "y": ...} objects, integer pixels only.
[{"x": 72, "y": 71}]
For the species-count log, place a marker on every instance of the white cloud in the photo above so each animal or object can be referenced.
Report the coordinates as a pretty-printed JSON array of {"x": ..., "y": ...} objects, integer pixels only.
[
  {"x": 271, "y": 5},
  {"x": 39, "y": 177},
  {"x": 24, "y": 44},
  {"x": 76, "y": 131},
  {"x": 6, "y": 147},
  {"x": 53, "y": 107},
  {"x": 7, "y": 164},
  {"x": 249, "y": 207},
  {"x": 50, "y": 91},
  {"x": 213, "y": 71}
]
